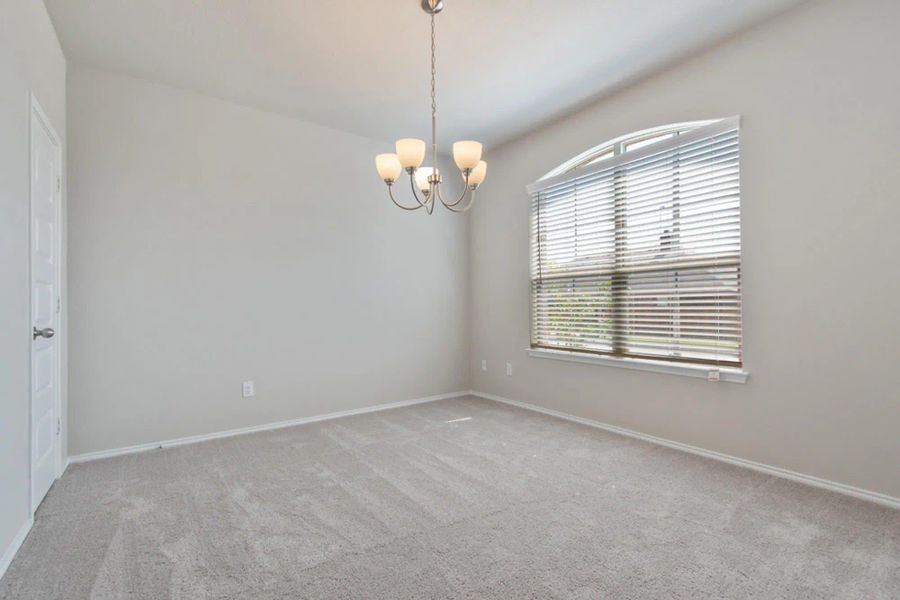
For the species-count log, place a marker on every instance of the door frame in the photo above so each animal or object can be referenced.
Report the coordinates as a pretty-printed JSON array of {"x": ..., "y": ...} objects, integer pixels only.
[{"x": 38, "y": 118}]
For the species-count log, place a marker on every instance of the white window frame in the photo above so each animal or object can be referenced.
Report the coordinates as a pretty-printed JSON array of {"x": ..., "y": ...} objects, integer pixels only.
[
  {"x": 587, "y": 161},
  {"x": 617, "y": 146}
]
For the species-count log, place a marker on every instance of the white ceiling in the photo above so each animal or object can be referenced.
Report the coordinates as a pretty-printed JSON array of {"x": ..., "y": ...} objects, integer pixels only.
[{"x": 504, "y": 66}]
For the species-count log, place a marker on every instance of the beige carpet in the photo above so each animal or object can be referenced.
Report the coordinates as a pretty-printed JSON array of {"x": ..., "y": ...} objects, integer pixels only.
[{"x": 462, "y": 498}]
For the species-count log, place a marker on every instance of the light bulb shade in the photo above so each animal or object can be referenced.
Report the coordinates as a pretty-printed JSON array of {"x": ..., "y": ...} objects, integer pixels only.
[
  {"x": 466, "y": 154},
  {"x": 422, "y": 176},
  {"x": 478, "y": 173},
  {"x": 388, "y": 166},
  {"x": 411, "y": 152}
]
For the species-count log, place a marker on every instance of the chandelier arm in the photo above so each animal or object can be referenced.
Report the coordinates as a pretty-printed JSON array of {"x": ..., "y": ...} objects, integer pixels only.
[
  {"x": 458, "y": 200},
  {"x": 470, "y": 204},
  {"x": 461, "y": 196},
  {"x": 391, "y": 193}
]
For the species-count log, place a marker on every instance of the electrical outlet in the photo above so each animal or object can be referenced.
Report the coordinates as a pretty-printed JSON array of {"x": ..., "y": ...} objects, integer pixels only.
[
  {"x": 247, "y": 389},
  {"x": 509, "y": 369},
  {"x": 483, "y": 365}
]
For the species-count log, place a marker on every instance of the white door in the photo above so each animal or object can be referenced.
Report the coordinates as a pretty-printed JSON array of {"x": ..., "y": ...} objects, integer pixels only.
[{"x": 45, "y": 198}]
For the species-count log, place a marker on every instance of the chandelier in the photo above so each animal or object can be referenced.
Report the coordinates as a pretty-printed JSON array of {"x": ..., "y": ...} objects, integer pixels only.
[{"x": 411, "y": 154}]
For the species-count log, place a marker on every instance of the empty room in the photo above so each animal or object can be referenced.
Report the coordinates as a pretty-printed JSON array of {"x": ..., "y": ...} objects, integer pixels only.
[{"x": 438, "y": 299}]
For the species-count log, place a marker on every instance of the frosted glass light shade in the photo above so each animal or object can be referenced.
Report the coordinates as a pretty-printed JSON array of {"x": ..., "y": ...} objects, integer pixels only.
[
  {"x": 411, "y": 152},
  {"x": 478, "y": 173},
  {"x": 466, "y": 154},
  {"x": 388, "y": 166},
  {"x": 422, "y": 176}
]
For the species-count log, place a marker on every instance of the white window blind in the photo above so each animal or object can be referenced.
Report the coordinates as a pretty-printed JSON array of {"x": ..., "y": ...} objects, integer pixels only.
[{"x": 639, "y": 254}]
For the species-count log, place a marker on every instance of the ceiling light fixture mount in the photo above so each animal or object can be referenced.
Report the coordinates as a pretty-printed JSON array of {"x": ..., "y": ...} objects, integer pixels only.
[
  {"x": 432, "y": 6},
  {"x": 411, "y": 154}
]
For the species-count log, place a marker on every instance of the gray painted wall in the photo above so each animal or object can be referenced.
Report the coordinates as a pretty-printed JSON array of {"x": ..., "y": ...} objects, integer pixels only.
[
  {"x": 213, "y": 243},
  {"x": 819, "y": 95},
  {"x": 30, "y": 61}
]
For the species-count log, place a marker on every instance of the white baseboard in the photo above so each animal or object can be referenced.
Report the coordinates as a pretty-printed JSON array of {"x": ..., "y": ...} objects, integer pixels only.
[
  {"x": 14, "y": 546},
  {"x": 833, "y": 486},
  {"x": 88, "y": 456}
]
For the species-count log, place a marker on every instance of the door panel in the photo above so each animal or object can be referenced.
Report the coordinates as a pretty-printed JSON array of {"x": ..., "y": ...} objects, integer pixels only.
[{"x": 45, "y": 173}]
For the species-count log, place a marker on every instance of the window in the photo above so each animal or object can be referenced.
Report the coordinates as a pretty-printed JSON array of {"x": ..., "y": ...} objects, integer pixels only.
[{"x": 636, "y": 249}]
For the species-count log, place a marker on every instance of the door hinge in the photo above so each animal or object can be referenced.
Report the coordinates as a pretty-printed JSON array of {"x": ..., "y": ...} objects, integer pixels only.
[
  {"x": 58, "y": 425},
  {"x": 58, "y": 304},
  {"x": 58, "y": 184}
]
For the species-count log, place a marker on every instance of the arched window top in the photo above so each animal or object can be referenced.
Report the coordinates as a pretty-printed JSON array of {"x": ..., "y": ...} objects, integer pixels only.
[{"x": 626, "y": 143}]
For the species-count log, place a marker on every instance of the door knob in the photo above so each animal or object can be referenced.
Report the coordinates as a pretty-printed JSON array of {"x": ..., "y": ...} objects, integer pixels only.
[{"x": 46, "y": 332}]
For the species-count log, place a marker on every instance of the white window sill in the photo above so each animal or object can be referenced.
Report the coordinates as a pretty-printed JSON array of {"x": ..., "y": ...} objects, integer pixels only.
[{"x": 658, "y": 366}]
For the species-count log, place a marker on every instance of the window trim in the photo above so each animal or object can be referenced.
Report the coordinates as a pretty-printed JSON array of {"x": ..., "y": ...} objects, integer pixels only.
[
  {"x": 708, "y": 372},
  {"x": 616, "y": 145},
  {"x": 581, "y": 166},
  {"x": 556, "y": 176}
]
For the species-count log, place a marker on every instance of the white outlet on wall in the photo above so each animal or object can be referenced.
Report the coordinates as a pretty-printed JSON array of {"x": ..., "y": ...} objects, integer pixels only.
[
  {"x": 247, "y": 389},
  {"x": 509, "y": 369},
  {"x": 483, "y": 365}
]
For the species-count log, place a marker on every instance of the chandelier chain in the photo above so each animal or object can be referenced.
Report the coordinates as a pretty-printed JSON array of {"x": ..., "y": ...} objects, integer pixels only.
[
  {"x": 433, "y": 99},
  {"x": 433, "y": 69}
]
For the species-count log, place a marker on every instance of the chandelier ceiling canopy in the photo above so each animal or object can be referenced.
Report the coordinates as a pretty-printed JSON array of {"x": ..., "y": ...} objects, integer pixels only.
[{"x": 410, "y": 154}]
